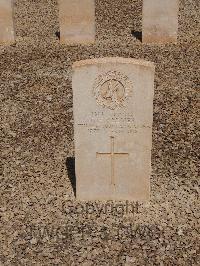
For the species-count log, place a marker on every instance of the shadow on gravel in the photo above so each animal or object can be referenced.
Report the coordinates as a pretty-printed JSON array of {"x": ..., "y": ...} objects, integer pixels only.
[
  {"x": 70, "y": 164},
  {"x": 57, "y": 34},
  {"x": 137, "y": 35}
]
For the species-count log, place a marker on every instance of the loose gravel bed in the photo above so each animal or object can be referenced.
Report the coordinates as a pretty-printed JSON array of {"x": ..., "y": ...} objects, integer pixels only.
[{"x": 41, "y": 222}]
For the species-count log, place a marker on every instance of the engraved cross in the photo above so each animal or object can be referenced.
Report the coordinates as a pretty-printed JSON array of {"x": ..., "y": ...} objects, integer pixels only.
[{"x": 112, "y": 155}]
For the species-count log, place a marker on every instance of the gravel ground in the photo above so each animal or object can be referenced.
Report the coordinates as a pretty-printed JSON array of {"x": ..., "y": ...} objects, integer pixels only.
[{"x": 41, "y": 223}]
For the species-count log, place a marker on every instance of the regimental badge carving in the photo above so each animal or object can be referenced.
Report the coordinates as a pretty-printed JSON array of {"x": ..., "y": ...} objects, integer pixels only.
[{"x": 112, "y": 89}]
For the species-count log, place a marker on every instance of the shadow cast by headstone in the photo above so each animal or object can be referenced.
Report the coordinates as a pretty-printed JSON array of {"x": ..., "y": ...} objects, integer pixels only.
[
  {"x": 70, "y": 165},
  {"x": 57, "y": 34},
  {"x": 137, "y": 35}
]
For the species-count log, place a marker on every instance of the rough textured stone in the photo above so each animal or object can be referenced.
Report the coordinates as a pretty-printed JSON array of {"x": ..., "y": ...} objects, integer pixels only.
[
  {"x": 6, "y": 22},
  {"x": 160, "y": 21},
  {"x": 113, "y": 112},
  {"x": 77, "y": 21}
]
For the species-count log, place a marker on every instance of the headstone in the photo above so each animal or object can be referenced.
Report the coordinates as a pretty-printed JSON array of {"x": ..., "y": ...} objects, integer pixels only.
[
  {"x": 160, "y": 21},
  {"x": 113, "y": 113},
  {"x": 6, "y": 22},
  {"x": 77, "y": 21}
]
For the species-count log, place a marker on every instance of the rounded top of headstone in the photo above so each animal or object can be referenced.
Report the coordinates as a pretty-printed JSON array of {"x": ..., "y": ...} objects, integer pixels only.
[{"x": 119, "y": 60}]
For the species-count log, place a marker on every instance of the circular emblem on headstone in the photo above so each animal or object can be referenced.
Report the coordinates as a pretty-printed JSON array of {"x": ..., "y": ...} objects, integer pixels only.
[{"x": 112, "y": 89}]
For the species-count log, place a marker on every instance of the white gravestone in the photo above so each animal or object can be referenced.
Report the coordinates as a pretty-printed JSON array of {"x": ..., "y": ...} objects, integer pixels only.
[
  {"x": 160, "y": 21},
  {"x": 77, "y": 21},
  {"x": 7, "y": 35},
  {"x": 113, "y": 113}
]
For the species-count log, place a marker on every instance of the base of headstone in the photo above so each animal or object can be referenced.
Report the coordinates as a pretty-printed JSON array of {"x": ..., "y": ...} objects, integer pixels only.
[
  {"x": 159, "y": 40},
  {"x": 7, "y": 34},
  {"x": 76, "y": 41},
  {"x": 77, "y": 22},
  {"x": 160, "y": 21}
]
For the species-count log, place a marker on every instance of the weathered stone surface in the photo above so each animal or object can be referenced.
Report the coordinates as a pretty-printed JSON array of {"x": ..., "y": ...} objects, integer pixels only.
[
  {"x": 160, "y": 21},
  {"x": 6, "y": 22},
  {"x": 113, "y": 111},
  {"x": 77, "y": 21}
]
